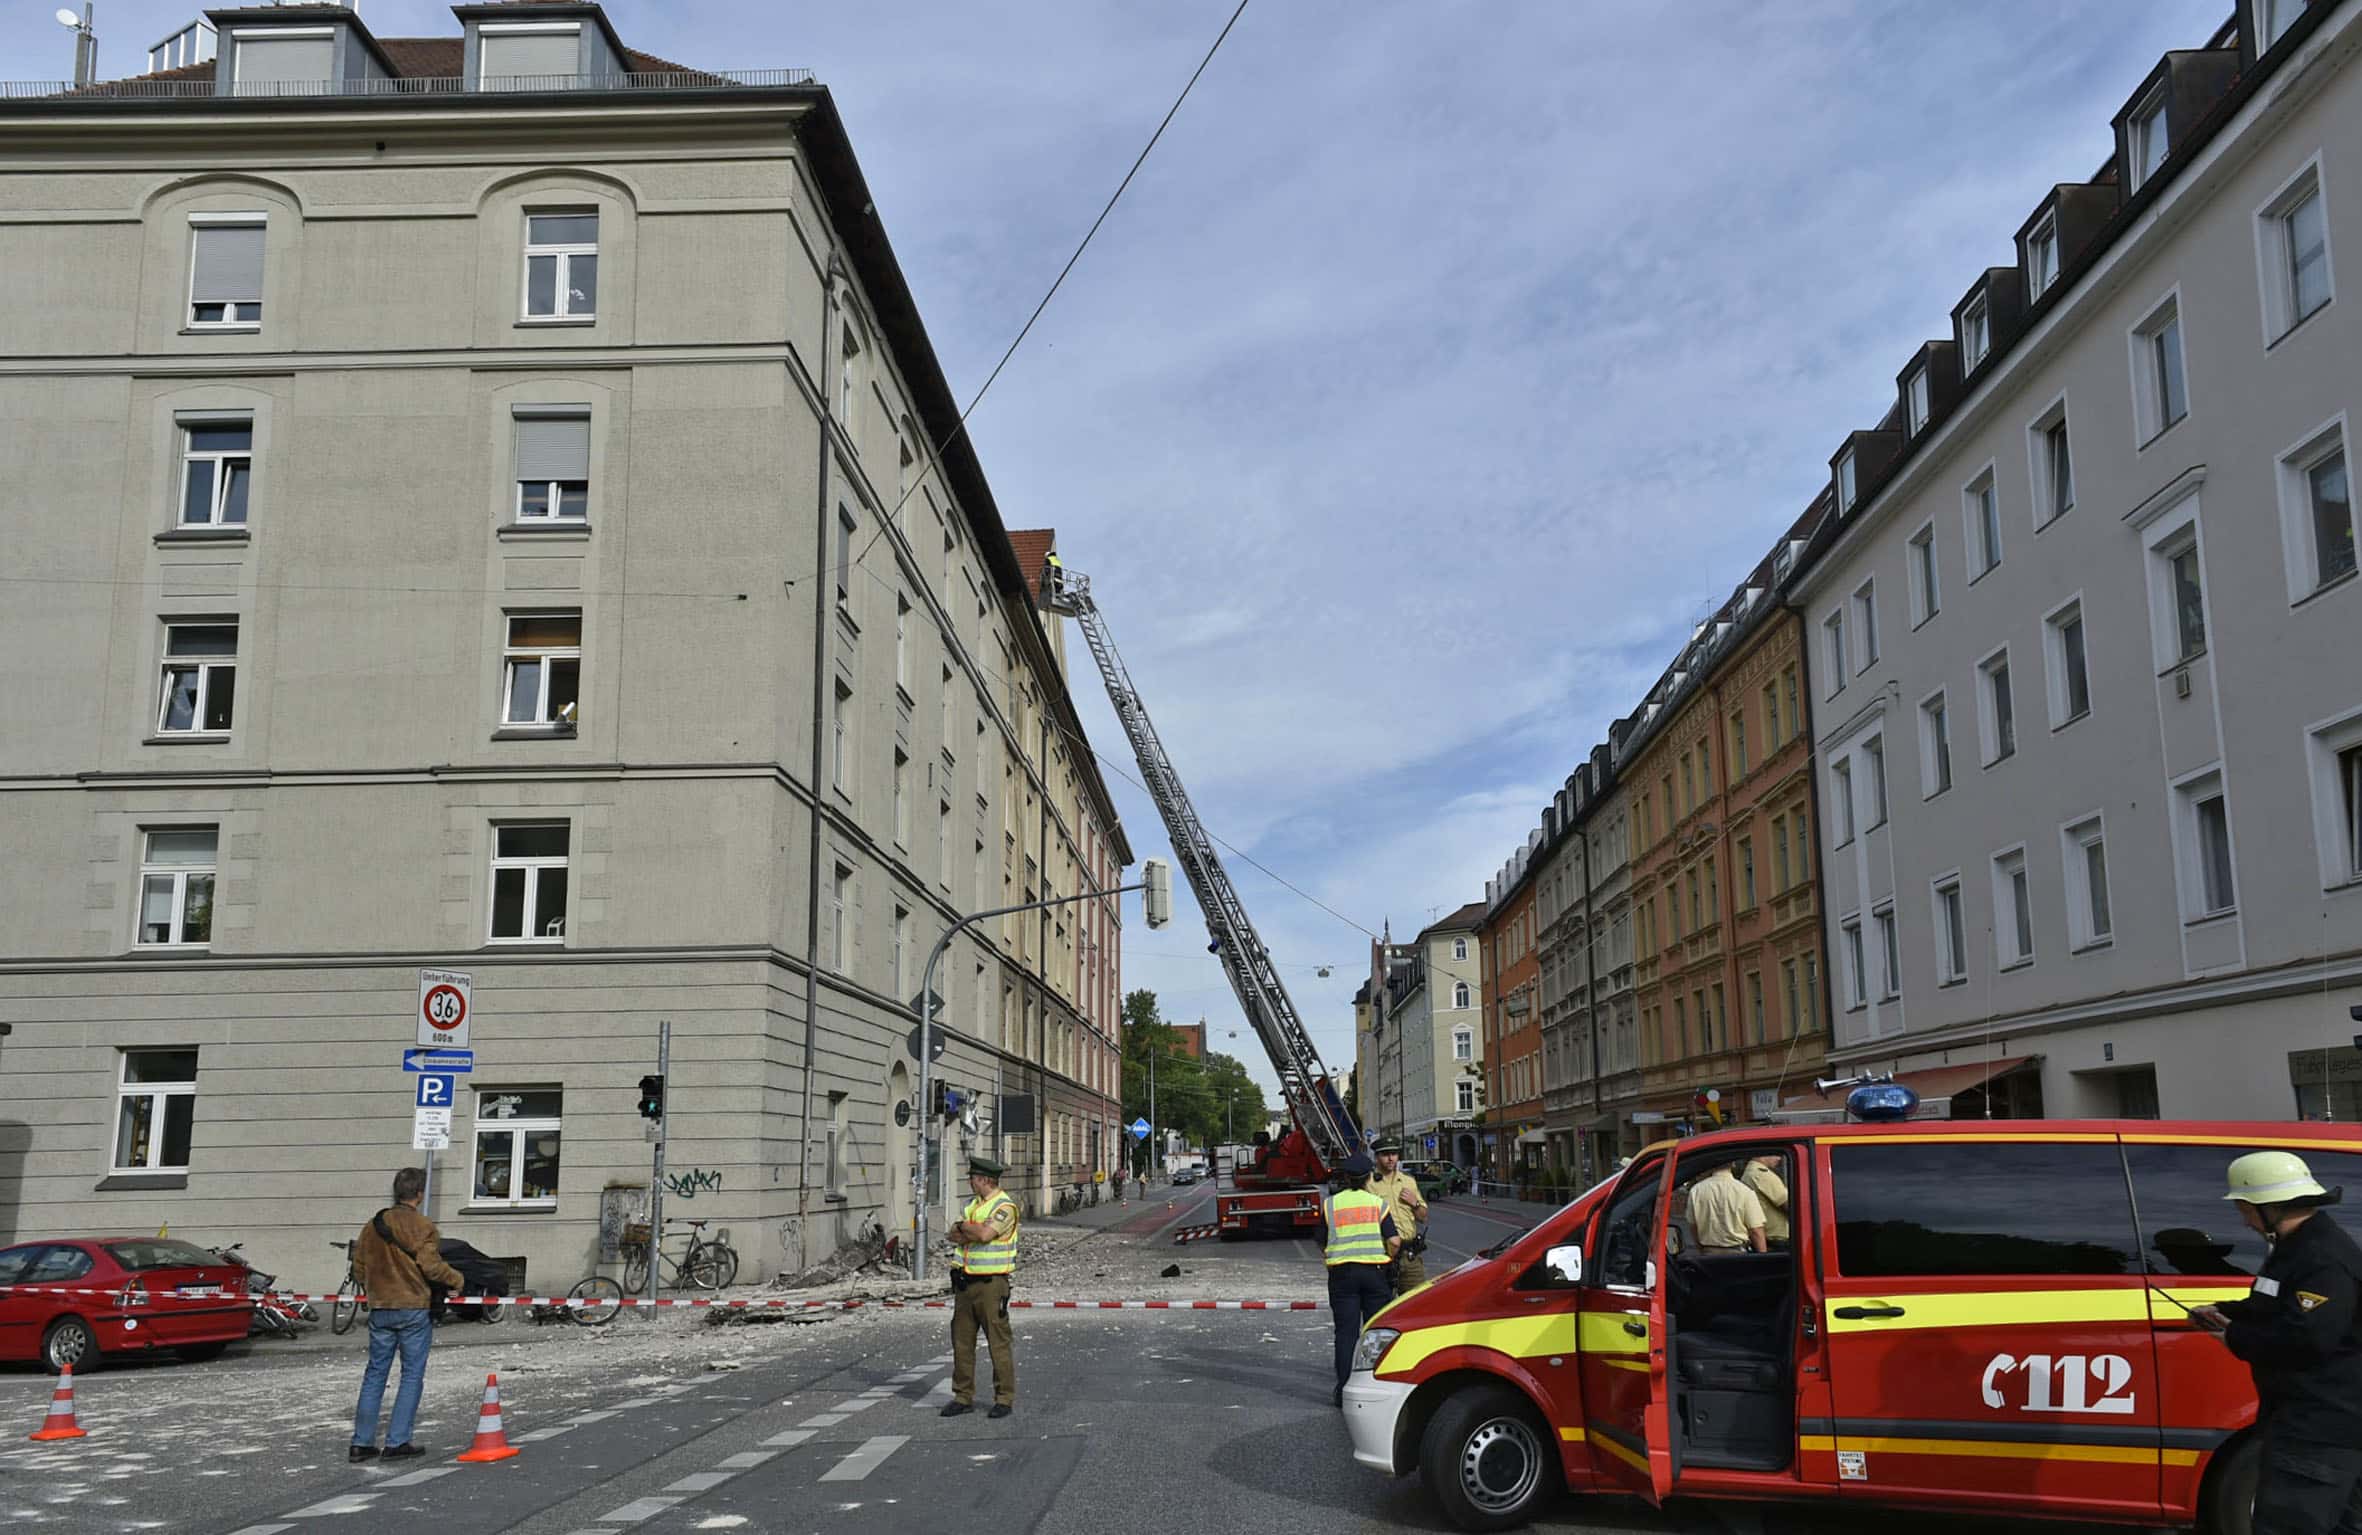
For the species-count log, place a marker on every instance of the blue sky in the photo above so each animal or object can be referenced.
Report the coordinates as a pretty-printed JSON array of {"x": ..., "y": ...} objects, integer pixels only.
[{"x": 1444, "y": 364}]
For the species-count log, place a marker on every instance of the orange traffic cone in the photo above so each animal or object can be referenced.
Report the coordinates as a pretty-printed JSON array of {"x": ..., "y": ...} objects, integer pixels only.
[
  {"x": 60, "y": 1423},
  {"x": 491, "y": 1443}
]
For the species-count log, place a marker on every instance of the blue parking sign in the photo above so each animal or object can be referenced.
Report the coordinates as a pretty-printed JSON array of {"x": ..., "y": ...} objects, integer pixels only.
[{"x": 435, "y": 1092}]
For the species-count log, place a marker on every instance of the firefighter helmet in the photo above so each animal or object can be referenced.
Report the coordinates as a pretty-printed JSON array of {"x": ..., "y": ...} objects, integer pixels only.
[{"x": 2273, "y": 1177}]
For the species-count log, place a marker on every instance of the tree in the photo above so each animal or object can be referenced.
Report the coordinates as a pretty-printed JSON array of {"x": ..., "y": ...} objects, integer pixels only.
[{"x": 1202, "y": 1099}]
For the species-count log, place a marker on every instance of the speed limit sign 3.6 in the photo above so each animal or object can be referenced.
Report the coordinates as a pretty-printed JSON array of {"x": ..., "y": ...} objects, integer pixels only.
[{"x": 446, "y": 1004}]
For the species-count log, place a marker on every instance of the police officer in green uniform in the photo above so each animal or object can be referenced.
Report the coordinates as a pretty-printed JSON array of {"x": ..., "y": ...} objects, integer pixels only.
[
  {"x": 2300, "y": 1331},
  {"x": 986, "y": 1238},
  {"x": 1362, "y": 1242}
]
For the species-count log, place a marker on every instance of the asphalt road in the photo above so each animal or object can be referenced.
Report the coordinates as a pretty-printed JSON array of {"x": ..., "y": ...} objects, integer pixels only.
[{"x": 1127, "y": 1421}]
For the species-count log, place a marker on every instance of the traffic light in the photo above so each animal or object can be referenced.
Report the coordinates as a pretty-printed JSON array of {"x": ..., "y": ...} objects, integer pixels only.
[
  {"x": 652, "y": 1097},
  {"x": 1157, "y": 893},
  {"x": 949, "y": 1100}
]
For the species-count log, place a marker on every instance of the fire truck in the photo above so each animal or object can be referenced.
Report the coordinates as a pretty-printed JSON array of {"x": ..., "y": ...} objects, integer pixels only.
[{"x": 1277, "y": 1185}]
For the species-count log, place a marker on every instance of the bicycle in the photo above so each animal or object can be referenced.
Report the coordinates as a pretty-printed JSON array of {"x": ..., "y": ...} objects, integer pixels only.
[
  {"x": 348, "y": 1303},
  {"x": 704, "y": 1265},
  {"x": 594, "y": 1303}
]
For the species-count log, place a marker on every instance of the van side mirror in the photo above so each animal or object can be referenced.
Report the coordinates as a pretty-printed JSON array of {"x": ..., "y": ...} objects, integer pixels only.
[{"x": 1565, "y": 1263}]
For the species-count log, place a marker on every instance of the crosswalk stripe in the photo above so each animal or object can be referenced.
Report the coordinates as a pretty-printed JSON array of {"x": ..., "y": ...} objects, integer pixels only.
[
  {"x": 637, "y": 1509},
  {"x": 538, "y": 1435},
  {"x": 792, "y": 1437},
  {"x": 263, "y": 1529},
  {"x": 863, "y": 1461},
  {"x": 417, "y": 1478},
  {"x": 747, "y": 1460},
  {"x": 936, "y": 1395},
  {"x": 854, "y": 1404},
  {"x": 343, "y": 1503},
  {"x": 701, "y": 1481},
  {"x": 822, "y": 1420}
]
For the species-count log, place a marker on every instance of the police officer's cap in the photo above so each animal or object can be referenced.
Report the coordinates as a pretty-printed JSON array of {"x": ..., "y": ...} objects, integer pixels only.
[
  {"x": 1358, "y": 1166},
  {"x": 1388, "y": 1149},
  {"x": 985, "y": 1167}
]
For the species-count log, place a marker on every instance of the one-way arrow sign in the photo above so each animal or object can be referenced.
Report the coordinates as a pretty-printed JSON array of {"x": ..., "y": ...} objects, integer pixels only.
[{"x": 439, "y": 1062}]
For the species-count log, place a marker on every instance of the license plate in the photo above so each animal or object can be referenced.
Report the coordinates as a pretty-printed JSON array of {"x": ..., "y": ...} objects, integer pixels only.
[{"x": 200, "y": 1291}]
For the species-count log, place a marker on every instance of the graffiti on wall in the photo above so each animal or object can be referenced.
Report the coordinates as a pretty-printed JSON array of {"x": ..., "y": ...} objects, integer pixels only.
[{"x": 690, "y": 1182}]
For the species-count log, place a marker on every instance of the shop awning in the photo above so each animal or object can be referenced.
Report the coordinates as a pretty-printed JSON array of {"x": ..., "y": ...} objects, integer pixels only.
[
  {"x": 1933, "y": 1084},
  {"x": 1533, "y": 1137}
]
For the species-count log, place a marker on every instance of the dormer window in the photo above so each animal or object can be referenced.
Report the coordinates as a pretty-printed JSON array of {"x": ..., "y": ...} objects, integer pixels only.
[
  {"x": 2042, "y": 258},
  {"x": 1845, "y": 481},
  {"x": 1916, "y": 393},
  {"x": 528, "y": 55},
  {"x": 2145, "y": 140},
  {"x": 1976, "y": 333},
  {"x": 282, "y": 61}
]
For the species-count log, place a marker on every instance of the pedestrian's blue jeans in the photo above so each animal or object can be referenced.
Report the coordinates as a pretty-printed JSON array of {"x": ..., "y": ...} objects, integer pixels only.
[{"x": 411, "y": 1333}]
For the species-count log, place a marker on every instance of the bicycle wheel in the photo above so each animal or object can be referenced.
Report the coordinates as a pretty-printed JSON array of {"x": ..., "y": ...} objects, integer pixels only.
[
  {"x": 726, "y": 1262},
  {"x": 635, "y": 1270},
  {"x": 343, "y": 1311},
  {"x": 701, "y": 1267},
  {"x": 601, "y": 1298}
]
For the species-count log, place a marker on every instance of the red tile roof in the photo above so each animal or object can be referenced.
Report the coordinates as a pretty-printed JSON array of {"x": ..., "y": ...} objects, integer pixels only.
[{"x": 1033, "y": 546}]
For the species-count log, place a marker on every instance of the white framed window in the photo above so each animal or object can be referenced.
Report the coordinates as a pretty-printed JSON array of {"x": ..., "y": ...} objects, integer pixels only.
[
  {"x": 1857, "y": 972},
  {"x": 1464, "y": 1097},
  {"x": 155, "y": 1110},
  {"x": 199, "y": 692},
  {"x": 1462, "y": 995},
  {"x": 176, "y": 874},
  {"x": 225, "y": 270},
  {"x": 1935, "y": 745},
  {"x": 529, "y": 876},
  {"x": 541, "y": 667},
  {"x": 847, "y": 526},
  {"x": 1997, "y": 715},
  {"x": 1951, "y": 929},
  {"x": 2051, "y": 464},
  {"x": 840, "y": 925},
  {"x": 1841, "y": 799},
  {"x": 2317, "y": 510},
  {"x": 216, "y": 471},
  {"x": 901, "y": 798},
  {"x": 1874, "y": 767},
  {"x": 518, "y": 1132},
  {"x": 2292, "y": 252},
  {"x": 2013, "y": 910},
  {"x": 1890, "y": 954},
  {"x": 840, "y": 742},
  {"x": 2334, "y": 757},
  {"x": 2202, "y": 847},
  {"x": 1845, "y": 481},
  {"x": 1463, "y": 1044},
  {"x": 1976, "y": 333},
  {"x": 1459, "y": 948},
  {"x": 1866, "y": 623},
  {"x": 1980, "y": 513},
  {"x": 2083, "y": 855},
  {"x": 1927, "y": 587},
  {"x": 2178, "y": 572},
  {"x": 552, "y": 448},
  {"x": 849, "y": 370},
  {"x": 1915, "y": 391},
  {"x": 562, "y": 264},
  {"x": 1833, "y": 655},
  {"x": 2068, "y": 665},
  {"x": 2160, "y": 387},
  {"x": 2145, "y": 139},
  {"x": 2042, "y": 257}
]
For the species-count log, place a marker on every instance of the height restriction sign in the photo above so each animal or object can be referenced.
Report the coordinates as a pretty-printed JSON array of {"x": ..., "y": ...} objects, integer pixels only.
[{"x": 446, "y": 998}]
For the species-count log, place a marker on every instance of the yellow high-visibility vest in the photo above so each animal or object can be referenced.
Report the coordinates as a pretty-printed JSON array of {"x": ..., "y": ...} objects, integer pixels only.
[
  {"x": 984, "y": 1259},
  {"x": 1354, "y": 1218}
]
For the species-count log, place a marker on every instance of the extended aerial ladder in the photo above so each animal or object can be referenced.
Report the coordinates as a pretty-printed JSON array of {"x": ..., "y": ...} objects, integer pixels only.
[{"x": 1328, "y": 1133}]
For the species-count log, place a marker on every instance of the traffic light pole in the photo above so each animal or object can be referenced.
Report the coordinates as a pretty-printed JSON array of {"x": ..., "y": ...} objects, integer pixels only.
[
  {"x": 1158, "y": 881},
  {"x": 664, "y": 1060}
]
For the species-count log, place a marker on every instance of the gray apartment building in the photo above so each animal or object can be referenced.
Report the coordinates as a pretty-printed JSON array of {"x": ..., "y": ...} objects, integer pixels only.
[
  {"x": 488, "y": 502},
  {"x": 1591, "y": 1061},
  {"x": 2084, "y": 627}
]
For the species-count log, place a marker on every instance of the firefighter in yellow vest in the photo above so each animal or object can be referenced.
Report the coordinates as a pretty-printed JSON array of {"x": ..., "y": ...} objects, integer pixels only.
[
  {"x": 986, "y": 1238},
  {"x": 1362, "y": 1241}
]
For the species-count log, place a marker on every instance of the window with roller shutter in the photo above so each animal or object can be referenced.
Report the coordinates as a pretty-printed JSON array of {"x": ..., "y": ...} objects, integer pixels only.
[
  {"x": 225, "y": 270},
  {"x": 553, "y": 464},
  {"x": 285, "y": 64},
  {"x": 528, "y": 57}
]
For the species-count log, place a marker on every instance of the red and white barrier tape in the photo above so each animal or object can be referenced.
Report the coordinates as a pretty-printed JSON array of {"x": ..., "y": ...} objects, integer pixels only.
[{"x": 717, "y": 1303}]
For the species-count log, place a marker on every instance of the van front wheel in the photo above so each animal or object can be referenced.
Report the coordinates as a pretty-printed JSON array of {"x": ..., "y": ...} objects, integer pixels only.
[
  {"x": 1488, "y": 1459},
  {"x": 2227, "y": 1506}
]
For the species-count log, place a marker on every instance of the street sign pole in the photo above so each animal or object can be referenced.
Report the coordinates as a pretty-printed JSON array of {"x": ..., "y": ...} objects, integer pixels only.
[{"x": 664, "y": 1057}]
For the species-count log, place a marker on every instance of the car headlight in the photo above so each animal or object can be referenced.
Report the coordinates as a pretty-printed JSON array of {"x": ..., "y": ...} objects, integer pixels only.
[{"x": 1374, "y": 1344}]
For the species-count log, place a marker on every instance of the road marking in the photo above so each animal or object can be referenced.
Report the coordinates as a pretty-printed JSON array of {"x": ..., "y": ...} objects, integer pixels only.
[
  {"x": 854, "y": 1404},
  {"x": 537, "y": 1436},
  {"x": 863, "y": 1461},
  {"x": 702, "y": 1481},
  {"x": 792, "y": 1437},
  {"x": 940, "y": 1359},
  {"x": 638, "y": 1509},
  {"x": 263, "y": 1529},
  {"x": 581, "y": 1418},
  {"x": 344, "y": 1503},
  {"x": 822, "y": 1420},
  {"x": 417, "y": 1478},
  {"x": 936, "y": 1395},
  {"x": 747, "y": 1460}
]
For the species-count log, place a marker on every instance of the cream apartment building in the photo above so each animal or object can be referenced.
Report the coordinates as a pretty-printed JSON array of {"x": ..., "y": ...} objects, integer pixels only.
[
  {"x": 1438, "y": 1021},
  {"x": 489, "y": 502},
  {"x": 2086, "y": 710}
]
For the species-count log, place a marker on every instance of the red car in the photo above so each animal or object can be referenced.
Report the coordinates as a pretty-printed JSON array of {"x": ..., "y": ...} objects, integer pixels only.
[{"x": 167, "y": 1294}]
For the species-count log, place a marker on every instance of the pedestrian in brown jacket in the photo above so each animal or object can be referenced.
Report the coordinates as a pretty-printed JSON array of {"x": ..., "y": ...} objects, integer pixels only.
[{"x": 396, "y": 1260}]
